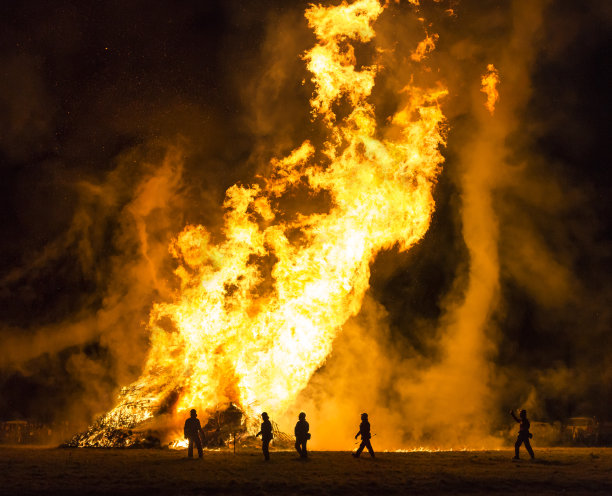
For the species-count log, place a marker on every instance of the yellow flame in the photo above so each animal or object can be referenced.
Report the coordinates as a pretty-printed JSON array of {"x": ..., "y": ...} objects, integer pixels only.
[
  {"x": 259, "y": 309},
  {"x": 488, "y": 85},
  {"x": 424, "y": 47}
]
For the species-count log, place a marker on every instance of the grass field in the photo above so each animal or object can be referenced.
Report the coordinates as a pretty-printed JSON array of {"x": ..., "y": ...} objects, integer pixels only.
[{"x": 574, "y": 471}]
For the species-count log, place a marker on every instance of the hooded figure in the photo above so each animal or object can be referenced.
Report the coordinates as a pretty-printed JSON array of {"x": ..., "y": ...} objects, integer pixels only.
[{"x": 364, "y": 432}]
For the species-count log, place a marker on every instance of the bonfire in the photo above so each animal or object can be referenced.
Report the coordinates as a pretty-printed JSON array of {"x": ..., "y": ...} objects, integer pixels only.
[{"x": 260, "y": 305}]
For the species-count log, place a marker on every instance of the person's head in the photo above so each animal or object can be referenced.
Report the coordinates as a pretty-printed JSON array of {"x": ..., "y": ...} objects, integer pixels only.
[
  {"x": 193, "y": 413},
  {"x": 523, "y": 413},
  {"x": 302, "y": 416},
  {"x": 264, "y": 416},
  {"x": 364, "y": 416}
]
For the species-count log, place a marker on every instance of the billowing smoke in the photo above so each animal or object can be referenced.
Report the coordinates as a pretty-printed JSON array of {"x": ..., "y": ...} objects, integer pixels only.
[
  {"x": 97, "y": 137},
  {"x": 117, "y": 130}
]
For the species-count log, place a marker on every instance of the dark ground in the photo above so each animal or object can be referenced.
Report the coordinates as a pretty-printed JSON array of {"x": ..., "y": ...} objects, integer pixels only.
[{"x": 92, "y": 471}]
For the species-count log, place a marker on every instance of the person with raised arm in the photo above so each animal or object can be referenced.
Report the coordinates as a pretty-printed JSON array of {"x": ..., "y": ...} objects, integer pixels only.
[{"x": 523, "y": 435}]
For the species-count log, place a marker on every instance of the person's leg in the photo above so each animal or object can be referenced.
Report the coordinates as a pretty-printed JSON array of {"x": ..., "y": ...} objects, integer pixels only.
[
  {"x": 304, "y": 450},
  {"x": 198, "y": 443},
  {"x": 265, "y": 443},
  {"x": 528, "y": 448},
  {"x": 298, "y": 447},
  {"x": 360, "y": 449},
  {"x": 517, "y": 445},
  {"x": 370, "y": 449},
  {"x": 190, "y": 448}
]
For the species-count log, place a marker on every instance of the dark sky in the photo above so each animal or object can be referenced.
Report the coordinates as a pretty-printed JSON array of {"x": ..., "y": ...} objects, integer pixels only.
[{"x": 92, "y": 90}]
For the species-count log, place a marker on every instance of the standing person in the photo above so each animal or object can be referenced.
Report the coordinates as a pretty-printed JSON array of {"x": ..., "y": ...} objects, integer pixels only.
[
  {"x": 266, "y": 435},
  {"x": 192, "y": 432},
  {"x": 524, "y": 435},
  {"x": 301, "y": 435},
  {"x": 364, "y": 432}
]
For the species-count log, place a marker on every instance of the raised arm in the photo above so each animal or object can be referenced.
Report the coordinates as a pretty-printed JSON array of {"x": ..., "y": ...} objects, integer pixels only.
[{"x": 514, "y": 416}]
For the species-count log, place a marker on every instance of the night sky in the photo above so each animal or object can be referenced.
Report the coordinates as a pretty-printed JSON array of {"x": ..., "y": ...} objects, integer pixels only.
[{"x": 93, "y": 94}]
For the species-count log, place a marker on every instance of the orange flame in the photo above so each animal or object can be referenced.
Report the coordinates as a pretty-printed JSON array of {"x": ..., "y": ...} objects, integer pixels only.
[
  {"x": 258, "y": 310},
  {"x": 424, "y": 47},
  {"x": 488, "y": 85}
]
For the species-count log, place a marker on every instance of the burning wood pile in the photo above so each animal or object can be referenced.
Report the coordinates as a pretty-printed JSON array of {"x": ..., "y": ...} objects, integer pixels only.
[
  {"x": 258, "y": 308},
  {"x": 135, "y": 426},
  {"x": 229, "y": 425},
  {"x": 226, "y": 425}
]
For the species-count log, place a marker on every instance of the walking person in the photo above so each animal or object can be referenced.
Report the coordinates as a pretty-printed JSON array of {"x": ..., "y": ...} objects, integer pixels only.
[
  {"x": 266, "y": 435},
  {"x": 302, "y": 435},
  {"x": 364, "y": 432},
  {"x": 524, "y": 435},
  {"x": 192, "y": 431}
]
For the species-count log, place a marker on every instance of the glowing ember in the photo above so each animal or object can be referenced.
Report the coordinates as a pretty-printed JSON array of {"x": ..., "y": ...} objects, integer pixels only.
[
  {"x": 489, "y": 82},
  {"x": 258, "y": 310}
]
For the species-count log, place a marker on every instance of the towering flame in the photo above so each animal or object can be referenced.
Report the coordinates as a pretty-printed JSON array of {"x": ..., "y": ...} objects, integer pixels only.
[{"x": 258, "y": 310}]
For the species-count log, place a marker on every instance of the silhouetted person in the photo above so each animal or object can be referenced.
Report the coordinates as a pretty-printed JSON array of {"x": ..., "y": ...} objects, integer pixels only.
[
  {"x": 301, "y": 435},
  {"x": 192, "y": 432},
  {"x": 524, "y": 435},
  {"x": 364, "y": 432},
  {"x": 266, "y": 435}
]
